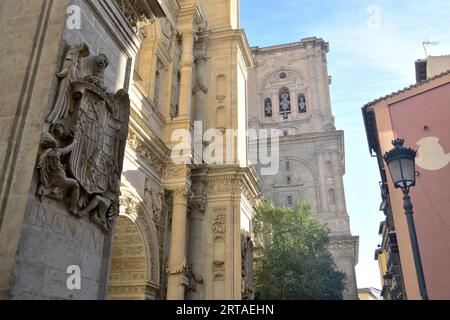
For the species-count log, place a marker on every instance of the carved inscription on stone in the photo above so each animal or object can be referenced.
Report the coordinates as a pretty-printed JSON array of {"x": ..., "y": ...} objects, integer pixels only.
[
  {"x": 51, "y": 221},
  {"x": 83, "y": 144}
]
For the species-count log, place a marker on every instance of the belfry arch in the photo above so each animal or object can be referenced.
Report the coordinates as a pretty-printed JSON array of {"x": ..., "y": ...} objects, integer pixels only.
[{"x": 135, "y": 271}]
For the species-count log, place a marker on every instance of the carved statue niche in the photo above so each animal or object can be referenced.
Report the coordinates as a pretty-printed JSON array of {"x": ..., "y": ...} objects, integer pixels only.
[
  {"x": 84, "y": 146},
  {"x": 302, "y": 106},
  {"x": 247, "y": 266},
  {"x": 285, "y": 103},
  {"x": 268, "y": 108},
  {"x": 154, "y": 200}
]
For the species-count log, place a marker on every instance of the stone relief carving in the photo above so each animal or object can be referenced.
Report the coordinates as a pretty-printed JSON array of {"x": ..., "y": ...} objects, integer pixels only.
[
  {"x": 133, "y": 209},
  {"x": 145, "y": 153},
  {"x": 247, "y": 266},
  {"x": 177, "y": 172},
  {"x": 193, "y": 279},
  {"x": 135, "y": 11},
  {"x": 167, "y": 33},
  {"x": 154, "y": 200},
  {"x": 219, "y": 227},
  {"x": 83, "y": 146},
  {"x": 221, "y": 87},
  {"x": 219, "y": 270},
  {"x": 173, "y": 270}
]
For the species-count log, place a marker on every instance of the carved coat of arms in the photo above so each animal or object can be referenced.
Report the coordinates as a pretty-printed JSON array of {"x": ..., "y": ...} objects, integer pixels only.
[{"x": 84, "y": 140}]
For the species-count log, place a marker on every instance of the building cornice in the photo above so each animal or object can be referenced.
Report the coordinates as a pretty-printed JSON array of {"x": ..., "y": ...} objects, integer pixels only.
[
  {"x": 303, "y": 44},
  {"x": 241, "y": 38},
  {"x": 136, "y": 11}
]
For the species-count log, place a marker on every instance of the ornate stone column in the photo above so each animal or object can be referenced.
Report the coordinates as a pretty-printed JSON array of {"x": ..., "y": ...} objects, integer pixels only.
[
  {"x": 177, "y": 265},
  {"x": 196, "y": 250},
  {"x": 201, "y": 89},
  {"x": 187, "y": 64}
]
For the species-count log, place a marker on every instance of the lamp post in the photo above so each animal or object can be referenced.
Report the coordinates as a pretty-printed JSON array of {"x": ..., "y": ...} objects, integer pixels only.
[{"x": 402, "y": 166}]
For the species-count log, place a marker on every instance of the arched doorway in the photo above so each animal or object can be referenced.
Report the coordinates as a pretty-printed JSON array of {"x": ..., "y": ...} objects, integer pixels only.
[{"x": 135, "y": 257}]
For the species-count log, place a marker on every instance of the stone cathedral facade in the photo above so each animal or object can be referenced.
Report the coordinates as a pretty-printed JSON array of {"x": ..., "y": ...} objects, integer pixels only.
[
  {"x": 93, "y": 204},
  {"x": 289, "y": 91}
]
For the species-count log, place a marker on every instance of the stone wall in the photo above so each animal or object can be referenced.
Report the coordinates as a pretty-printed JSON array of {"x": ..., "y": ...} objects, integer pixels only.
[{"x": 52, "y": 239}]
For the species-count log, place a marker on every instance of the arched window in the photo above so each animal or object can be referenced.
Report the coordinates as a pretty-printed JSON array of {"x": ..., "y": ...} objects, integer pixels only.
[
  {"x": 268, "y": 108},
  {"x": 332, "y": 197},
  {"x": 302, "y": 106},
  {"x": 285, "y": 103},
  {"x": 288, "y": 166},
  {"x": 157, "y": 86},
  {"x": 290, "y": 201},
  {"x": 329, "y": 169},
  {"x": 288, "y": 180},
  {"x": 176, "y": 95}
]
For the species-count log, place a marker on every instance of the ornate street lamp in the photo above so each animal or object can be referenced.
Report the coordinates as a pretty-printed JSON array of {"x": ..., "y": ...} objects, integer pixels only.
[
  {"x": 387, "y": 286},
  {"x": 402, "y": 166}
]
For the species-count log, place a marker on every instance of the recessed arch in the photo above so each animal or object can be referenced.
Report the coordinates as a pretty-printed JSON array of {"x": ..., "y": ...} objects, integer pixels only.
[
  {"x": 297, "y": 76},
  {"x": 136, "y": 237}
]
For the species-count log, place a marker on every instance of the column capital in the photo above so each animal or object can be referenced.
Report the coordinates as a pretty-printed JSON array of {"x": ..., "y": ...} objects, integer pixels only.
[{"x": 181, "y": 195}]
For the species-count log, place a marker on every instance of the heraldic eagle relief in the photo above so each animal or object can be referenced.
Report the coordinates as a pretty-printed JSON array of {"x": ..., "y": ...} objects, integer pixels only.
[{"x": 83, "y": 144}]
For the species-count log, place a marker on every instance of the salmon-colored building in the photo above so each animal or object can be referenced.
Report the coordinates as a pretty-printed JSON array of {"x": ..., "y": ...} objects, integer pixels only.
[{"x": 419, "y": 114}]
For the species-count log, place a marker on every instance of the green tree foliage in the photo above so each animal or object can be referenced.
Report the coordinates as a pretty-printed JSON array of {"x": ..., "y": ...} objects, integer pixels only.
[{"x": 293, "y": 260}]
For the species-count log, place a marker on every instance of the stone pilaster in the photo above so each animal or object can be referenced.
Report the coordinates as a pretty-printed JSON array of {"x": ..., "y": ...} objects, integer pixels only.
[
  {"x": 197, "y": 216},
  {"x": 187, "y": 71},
  {"x": 201, "y": 89},
  {"x": 322, "y": 182},
  {"x": 177, "y": 265}
]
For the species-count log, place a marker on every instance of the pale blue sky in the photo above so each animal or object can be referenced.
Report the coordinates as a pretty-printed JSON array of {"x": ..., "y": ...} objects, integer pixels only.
[{"x": 373, "y": 46}]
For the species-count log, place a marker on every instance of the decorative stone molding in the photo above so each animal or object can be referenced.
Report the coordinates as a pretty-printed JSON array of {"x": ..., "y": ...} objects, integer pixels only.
[
  {"x": 176, "y": 270},
  {"x": 181, "y": 195},
  {"x": 193, "y": 278},
  {"x": 219, "y": 270},
  {"x": 75, "y": 165},
  {"x": 159, "y": 144},
  {"x": 139, "y": 11},
  {"x": 134, "y": 209},
  {"x": 145, "y": 153}
]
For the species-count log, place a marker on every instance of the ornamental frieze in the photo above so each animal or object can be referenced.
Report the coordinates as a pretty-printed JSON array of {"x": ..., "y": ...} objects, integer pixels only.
[
  {"x": 82, "y": 148},
  {"x": 145, "y": 153},
  {"x": 136, "y": 11}
]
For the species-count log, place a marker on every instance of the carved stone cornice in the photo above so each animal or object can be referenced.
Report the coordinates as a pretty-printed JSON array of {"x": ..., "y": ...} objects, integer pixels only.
[
  {"x": 145, "y": 152},
  {"x": 144, "y": 126},
  {"x": 136, "y": 11}
]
